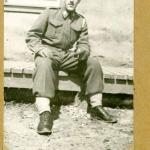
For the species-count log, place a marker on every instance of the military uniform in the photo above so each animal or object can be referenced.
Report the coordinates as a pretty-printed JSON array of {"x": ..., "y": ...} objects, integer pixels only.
[{"x": 60, "y": 32}]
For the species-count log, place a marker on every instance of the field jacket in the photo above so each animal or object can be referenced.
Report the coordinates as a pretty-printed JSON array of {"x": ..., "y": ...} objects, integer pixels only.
[{"x": 59, "y": 30}]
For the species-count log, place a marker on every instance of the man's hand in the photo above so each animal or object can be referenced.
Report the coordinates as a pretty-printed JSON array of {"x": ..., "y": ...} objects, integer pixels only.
[
  {"x": 57, "y": 58},
  {"x": 70, "y": 61},
  {"x": 83, "y": 55},
  {"x": 69, "y": 55}
]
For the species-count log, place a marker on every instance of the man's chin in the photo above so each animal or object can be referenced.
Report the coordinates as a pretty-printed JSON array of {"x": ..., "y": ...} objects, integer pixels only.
[{"x": 70, "y": 9}]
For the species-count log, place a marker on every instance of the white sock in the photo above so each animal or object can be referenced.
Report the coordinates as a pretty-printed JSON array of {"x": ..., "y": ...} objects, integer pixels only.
[
  {"x": 42, "y": 104},
  {"x": 96, "y": 100}
]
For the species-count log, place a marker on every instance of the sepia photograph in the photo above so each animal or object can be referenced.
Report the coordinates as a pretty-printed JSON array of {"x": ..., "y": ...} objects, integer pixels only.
[{"x": 68, "y": 74}]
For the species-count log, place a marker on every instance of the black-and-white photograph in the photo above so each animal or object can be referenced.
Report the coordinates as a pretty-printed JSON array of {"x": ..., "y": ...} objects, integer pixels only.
[{"x": 68, "y": 74}]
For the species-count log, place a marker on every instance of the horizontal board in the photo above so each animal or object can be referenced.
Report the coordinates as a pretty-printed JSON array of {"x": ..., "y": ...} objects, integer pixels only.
[
  {"x": 30, "y": 7},
  {"x": 67, "y": 85},
  {"x": 19, "y": 75},
  {"x": 109, "y": 72}
]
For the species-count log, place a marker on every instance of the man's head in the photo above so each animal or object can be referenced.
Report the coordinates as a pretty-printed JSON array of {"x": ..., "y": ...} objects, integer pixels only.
[{"x": 71, "y": 5}]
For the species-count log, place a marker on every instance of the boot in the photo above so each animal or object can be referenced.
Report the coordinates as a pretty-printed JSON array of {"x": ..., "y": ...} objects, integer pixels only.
[
  {"x": 45, "y": 124},
  {"x": 100, "y": 113}
]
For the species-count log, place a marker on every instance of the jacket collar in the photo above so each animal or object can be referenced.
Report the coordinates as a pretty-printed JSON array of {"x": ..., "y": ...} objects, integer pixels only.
[{"x": 65, "y": 14}]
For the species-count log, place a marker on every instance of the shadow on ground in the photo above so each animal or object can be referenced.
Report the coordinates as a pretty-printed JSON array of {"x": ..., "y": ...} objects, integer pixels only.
[{"x": 65, "y": 97}]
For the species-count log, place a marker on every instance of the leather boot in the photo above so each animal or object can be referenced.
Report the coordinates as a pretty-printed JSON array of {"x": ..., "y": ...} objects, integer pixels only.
[
  {"x": 45, "y": 124},
  {"x": 100, "y": 113}
]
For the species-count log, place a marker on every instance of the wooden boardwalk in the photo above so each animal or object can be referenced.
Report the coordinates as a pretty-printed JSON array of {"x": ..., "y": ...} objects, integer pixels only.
[{"x": 18, "y": 74}]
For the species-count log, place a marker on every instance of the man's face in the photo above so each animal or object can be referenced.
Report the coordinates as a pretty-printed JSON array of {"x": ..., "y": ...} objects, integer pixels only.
[{"x": 71, "y": 4}]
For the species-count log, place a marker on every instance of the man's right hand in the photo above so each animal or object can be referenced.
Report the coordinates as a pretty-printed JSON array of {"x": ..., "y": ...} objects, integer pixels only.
[{"x": 55, "y": 56}]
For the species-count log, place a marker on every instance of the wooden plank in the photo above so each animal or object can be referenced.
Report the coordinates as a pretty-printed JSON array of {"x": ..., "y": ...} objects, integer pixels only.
[
  {"x": 114, "y": 71},
  {"x": 108, "y": 76},
  {"x": 68, "y": 83},
  {"x": 18, "y": 82},
  {"x": 28, "y": 70},
  {"x": 130, "y": 78},
  {"x": 119, "y": 73},
  {"x": 108, "y": 71},
  {"x": 120, "y": 70},
  {"x": 115, "y": 74},
  {"x": 34, "y": 8},
  {"x": 111, "y": 74},
  {"x": 123, "y": 77},
  {"x": 22, "y": 10},
  {"x": 17, "y": 70},
  {"x": 7, "y": 70},
  {"x": 118, "y": 89}
]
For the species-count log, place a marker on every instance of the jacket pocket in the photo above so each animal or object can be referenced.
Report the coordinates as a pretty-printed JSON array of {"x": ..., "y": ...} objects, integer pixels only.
[
  {"x": 76, "y": 27},
  {"x": 75, "y": 32},
  {"x": 54, "y": 28}
]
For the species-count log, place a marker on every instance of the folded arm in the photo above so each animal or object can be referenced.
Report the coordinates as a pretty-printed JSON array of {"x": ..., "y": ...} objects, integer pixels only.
[
  {"x": 35, "y": 34},
  {"x": 83, "y": 47}
]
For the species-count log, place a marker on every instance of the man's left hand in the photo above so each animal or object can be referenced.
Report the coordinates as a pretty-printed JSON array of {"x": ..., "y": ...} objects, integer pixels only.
[{"x": 70, "y": 61}]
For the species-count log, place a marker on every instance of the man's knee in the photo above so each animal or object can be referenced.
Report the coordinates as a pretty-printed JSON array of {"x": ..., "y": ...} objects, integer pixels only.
[
  {"x": 43, "y": 63},
  {"x": 93, "y": 62}
]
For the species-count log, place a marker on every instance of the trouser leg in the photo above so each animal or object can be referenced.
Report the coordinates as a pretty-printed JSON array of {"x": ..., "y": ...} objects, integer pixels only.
[
  {"x": 44, "y": 79},
  {"x": 92, "y": 80},
  {"x": 44, "y": 85},
  {"x": 93, "y": 77}
]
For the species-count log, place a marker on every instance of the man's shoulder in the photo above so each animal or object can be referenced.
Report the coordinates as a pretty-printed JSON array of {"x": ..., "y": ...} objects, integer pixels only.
[
  {"x": 79, "y": 15},
  {"x": 81, "y": 19}
]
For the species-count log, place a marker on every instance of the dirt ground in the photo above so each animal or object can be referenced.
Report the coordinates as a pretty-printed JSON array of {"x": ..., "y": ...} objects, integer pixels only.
[{"x": 73, "y": 129}]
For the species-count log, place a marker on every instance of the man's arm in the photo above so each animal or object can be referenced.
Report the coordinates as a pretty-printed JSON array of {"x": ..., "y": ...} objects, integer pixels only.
[
  {"x": 36, "y": 32},
  {"x": 83, "y": 47}
]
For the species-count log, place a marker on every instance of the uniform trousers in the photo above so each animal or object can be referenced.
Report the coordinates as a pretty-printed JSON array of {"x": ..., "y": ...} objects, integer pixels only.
[{"x": 45, "y": 77}]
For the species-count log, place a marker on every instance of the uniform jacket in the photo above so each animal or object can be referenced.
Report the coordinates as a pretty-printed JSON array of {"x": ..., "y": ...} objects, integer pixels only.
[{"x": 56, "y": 28}]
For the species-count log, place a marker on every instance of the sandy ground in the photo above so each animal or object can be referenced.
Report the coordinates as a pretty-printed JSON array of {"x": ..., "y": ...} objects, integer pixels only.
[{"x": 72, "y": 130}]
